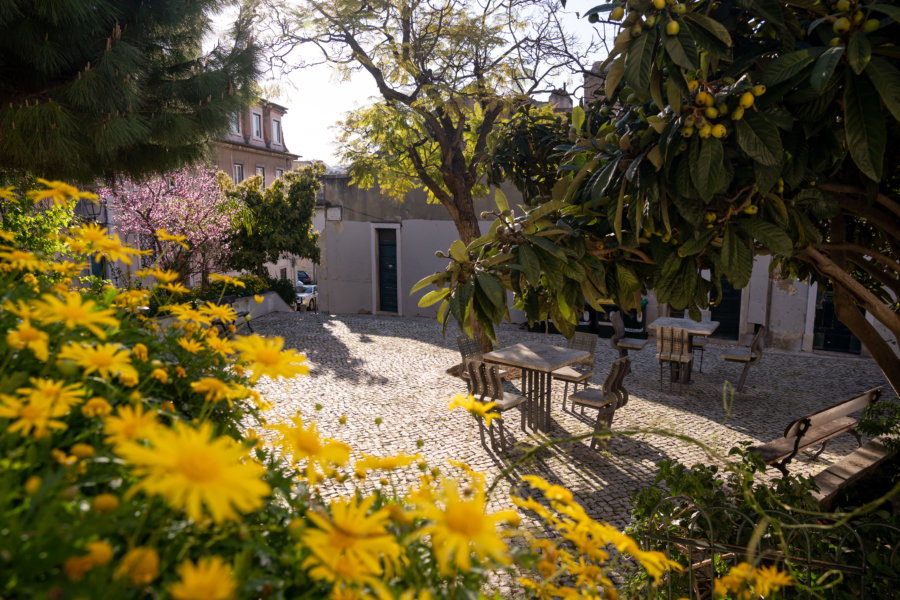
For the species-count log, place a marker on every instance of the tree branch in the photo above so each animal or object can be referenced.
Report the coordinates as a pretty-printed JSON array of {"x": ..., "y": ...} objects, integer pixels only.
[{"x": 838, "y": 188}]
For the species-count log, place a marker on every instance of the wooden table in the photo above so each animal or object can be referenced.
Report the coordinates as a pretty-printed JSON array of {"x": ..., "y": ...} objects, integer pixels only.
[
  {"x": 693, "y": 328},
  {"x": 537, "y": 361}
]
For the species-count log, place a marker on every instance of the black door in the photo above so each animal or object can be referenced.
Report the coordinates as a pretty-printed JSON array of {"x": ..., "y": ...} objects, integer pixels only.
[
  {"x": 727, "y": 313},
  {"x": 387, "y": 270},
  {"x": 828, "y": 332}
]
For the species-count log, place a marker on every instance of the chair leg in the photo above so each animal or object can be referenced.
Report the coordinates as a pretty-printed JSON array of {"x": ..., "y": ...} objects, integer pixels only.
[
  {"x": 740, "y": 385},
  {"x": 820, "y": 450},
  {"x": 566, "y": 393},
  {"x": 702, "y": 351}
]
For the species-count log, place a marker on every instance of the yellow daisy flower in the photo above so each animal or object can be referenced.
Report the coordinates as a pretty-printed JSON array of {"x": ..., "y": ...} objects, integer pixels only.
[
  {"x": 474, "y": 407},
  {"x": 74, "y": 311},
  {"x": 59, "y": 192},
  {"x": 89, "y": 233},
  {"x": 229, "y": 280},
  {"x": 222, "y": 312},
  {"x": 140, "y": 565},
  {"x": 96, "y": 407},
  {"x": 58, "y": 393},
  {"x": 112, "y": 248},
  {"x": 461, "y": 527},
  {"x": 265, "y": 356},
  {"x": 159, "y": 274},
  {"x": 350, "y": 532},
  {"x": 197, "y": 472},
  {"x": 106, "y": 360},
  {"x": 22, "y": 260},
  {"x": 192, "y": 346},
  {"x": 164, "y": 236},
  {"x": 6, "y": 193},
  {"x": 27, "y": 336},
  {"x": 100, "y": 553},
  {"x": 35, "y": 415},
  {"x": 175, "y": 288},
  {"x": 129, "y": 424},
  {"x": 160, "y": 375},
  {"x": 208, "y": 579},
  {"x": 305, "y": 443},
  {"x": 769, "y": 579},
  {"x": 220, "y": 346},
  {"x": 214, "y": 389}
]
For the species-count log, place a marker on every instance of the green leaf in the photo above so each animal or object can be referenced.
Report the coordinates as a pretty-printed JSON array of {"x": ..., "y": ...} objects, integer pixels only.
[
  {"x": 697, "y": 244},
  {"x": 492, "y": 288},
  {"x": 433, "y": 297},
  {"x": 500, "y": 198},
  {"x": 614, "y": 76},
  {"x": 637, "y": 62},
  {"x": 825, "y": 66},
  {"x": 547, "y": 246},
  {"x": 427, "y": 280},
  {"x": 890, "y": 10},
  {"x": 656, "y": 89},
  {"x": 711, "y": 25},
  {"x": 626, "y": 280},
  {"x": 577, "y": 118},
  {"x": 617, "y": 220},
  {"x": 759, "y": 138},
  {"x": 707, "y": 158},
  {"x": 458, "y": 251},
  {"x": 530, "y": 265},
  {"x": 864, "y": 126},
  {"x": 770, "y": 235},
  {"x": 737, "y": 259},
  {"x": 786, "y": 66},
  {"x": 887, "y": 81},
  {"x": 859, "y": 52},
  {"x": 673, "y": 95},
  {"x": 682, "y": 49}
]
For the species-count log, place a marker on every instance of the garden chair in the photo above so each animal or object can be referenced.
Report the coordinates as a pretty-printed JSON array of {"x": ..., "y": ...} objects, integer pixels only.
[
  {"x": 581, "y": 371},
  {"x": 470, "y": 349},
  {"x": 607, "y": 399},
  {"x": 755, "y": 355},
  {"x": 486, "y": 385},
  {"x": 242, "y": 317},
  {"x": 618, "y": 340},
  {"x": 672, "y": 346}
]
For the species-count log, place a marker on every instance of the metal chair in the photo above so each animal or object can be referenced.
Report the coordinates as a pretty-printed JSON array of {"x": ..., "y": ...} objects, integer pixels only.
[
  {"x": 486, "y": 385},
  {"x": 607, "y": 399},
  {"x": 756, "y": 352},
  {"x": 581, "y": 371},
  {"x": 618, "y": 340},
  {"x": 672, "y": 348}
]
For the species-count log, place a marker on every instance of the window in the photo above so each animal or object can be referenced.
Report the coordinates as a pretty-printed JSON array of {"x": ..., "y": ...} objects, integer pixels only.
[
  {"x": 236, "y": 124},
  {"x": 276, "y": 132},
  {"x": 238, "y": 174},
  {"x": 279, "y": 173},
  {"x": 262, "y": 172},
  {"x": 257, "y": 126},
  {"x": 284, "y": 273}
]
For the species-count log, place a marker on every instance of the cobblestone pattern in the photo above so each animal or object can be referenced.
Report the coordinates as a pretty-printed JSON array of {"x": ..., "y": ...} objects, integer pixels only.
[{"x": 366, "y": 367}]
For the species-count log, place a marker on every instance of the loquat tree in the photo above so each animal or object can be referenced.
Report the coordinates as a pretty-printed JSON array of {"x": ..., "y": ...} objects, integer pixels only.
[{"x": 726, "y": 129}]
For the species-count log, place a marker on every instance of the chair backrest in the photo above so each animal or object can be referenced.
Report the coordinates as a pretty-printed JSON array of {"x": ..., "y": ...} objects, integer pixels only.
[
  {"x": 756, "y": 346},
  {"x": 469, "y": 348},
  {"x": 619, "y": 388},
  {"x": 486, "y": 384},
  {"x": 618, "y": 324},
  {"x": 584, "y": 341}
]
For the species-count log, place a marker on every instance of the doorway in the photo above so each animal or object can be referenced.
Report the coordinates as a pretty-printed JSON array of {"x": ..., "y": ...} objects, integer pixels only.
[
  {"x": 829, "y": 333},
  {"x": 387, "y": 270},
  {"x": 727, "y": 313}
]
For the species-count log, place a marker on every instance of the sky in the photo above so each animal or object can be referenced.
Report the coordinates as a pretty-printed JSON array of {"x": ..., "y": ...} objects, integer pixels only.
[{"x": 317, "y": 100}]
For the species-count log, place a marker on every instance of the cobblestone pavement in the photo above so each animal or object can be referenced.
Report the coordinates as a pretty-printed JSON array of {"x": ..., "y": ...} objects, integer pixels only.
[{"x": 367, "y": 367}]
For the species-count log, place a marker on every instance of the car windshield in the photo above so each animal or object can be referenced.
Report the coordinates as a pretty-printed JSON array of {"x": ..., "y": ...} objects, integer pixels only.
[{"x": 306, "y": 289}]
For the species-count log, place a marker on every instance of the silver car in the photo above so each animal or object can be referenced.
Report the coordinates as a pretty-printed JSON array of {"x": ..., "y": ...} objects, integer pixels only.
[{"x": 308, "y": 297}]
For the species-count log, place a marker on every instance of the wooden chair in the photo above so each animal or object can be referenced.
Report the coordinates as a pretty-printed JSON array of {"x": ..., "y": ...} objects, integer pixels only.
[
  {"x": 698, "y": 344},
  {"x": 672, "y": 349},
  {"x": 607, "y": 399},
  {"x": 486, "y": 385},
  {"x": 470, "y": 349},
  {"x": 618, "y": 340},
  {"x": 581, "y": 371},
  {"x": 756, "y": 352}
]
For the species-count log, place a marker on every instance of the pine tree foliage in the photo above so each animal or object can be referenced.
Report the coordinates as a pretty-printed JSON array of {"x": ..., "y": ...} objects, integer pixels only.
[{"x": 89, "y": 88}]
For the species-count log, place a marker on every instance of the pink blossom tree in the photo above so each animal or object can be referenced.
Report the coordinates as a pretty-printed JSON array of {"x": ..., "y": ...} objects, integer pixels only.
[{"x": 188, "y": 202}]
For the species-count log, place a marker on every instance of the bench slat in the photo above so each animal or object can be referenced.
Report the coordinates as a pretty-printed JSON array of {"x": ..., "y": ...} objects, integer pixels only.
[
  {"x": 836, "y": 411},
  {"x": 783, "y": 447}
]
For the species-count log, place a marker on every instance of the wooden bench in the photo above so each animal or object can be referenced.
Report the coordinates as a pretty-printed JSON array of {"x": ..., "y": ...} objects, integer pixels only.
[{"x": 816, "y": 428}]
